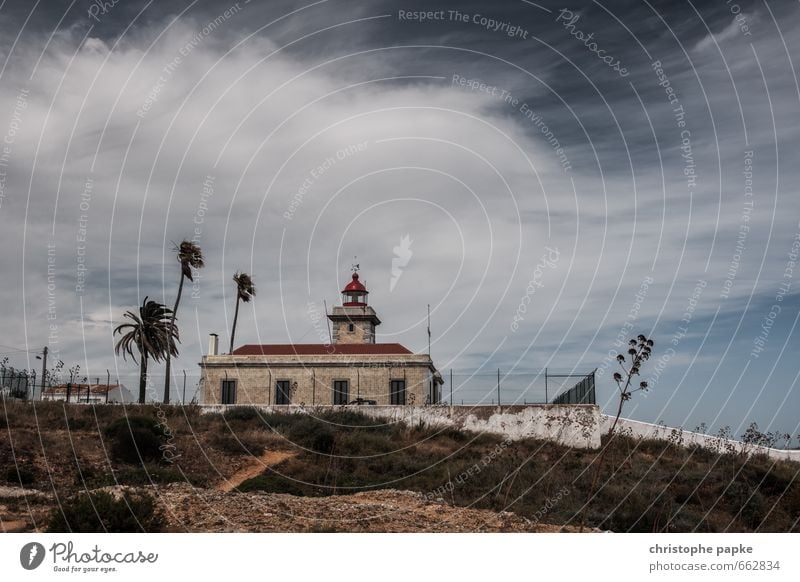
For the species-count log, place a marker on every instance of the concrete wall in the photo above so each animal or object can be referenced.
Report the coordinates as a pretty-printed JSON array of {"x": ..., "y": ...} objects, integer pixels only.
[
  {"x": 645, "y": 430},
  {"x": 571, "y": 425},
  {"x": 579, "y": 426}
]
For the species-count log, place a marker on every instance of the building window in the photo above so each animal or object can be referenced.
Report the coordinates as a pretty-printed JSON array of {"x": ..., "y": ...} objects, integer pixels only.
[
  {"x": 351, "y": 328},
  {"x": 341, "y": 389},
  {"x": 282, "y": 392},
  {"x": 397, "y": 392},
  {"x": 228, "y": 392}
]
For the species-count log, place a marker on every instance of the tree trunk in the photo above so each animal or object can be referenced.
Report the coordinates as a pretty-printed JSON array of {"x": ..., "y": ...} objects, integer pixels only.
[
  {"x": 142, "y": 378},
  {"x": 235, "y": 318},
  {"x": 168, "y": 367}
]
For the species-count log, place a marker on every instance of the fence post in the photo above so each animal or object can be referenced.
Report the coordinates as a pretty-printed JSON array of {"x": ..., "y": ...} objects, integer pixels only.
[
  {"x": 546, "y": 398},
  {"x": 451, "y": 387}
]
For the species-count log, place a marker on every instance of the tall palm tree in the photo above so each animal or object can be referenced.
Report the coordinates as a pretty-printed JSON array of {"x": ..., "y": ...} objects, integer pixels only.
[
  {"x": 245, "y": 291},
  {"x": 190, "y": 256},
  {"x": 150, "y": 332}
]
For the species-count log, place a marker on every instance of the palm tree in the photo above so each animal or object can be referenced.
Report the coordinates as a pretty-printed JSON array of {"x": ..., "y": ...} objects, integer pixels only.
[
  {"x": 151, "y": 332},
  {"x": 245, "y": 291},
  {"x": 190, "y": 256}
]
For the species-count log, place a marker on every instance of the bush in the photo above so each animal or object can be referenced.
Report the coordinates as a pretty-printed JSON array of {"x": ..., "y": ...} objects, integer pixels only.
[
  {"x": 135, "y": 439},
  {"x": 349, "y": 419},
  {"x": 243, "y": 413},
  {"x": 748, "y": 501},
  {"x": 276, "y": 484},
  {"x": 100, "y": 512},
  {"x": 79, "y": 423},
  {"x": 312, "y": 434},
  {"x": 322, "y": 442},
  {"x": 20, "y": 475},
  {"x": 279, "y": 421},
  {"x": 455, "y": 434},
  {"x": 364, "y": 443},
  {"x": 248, "y": 442}
]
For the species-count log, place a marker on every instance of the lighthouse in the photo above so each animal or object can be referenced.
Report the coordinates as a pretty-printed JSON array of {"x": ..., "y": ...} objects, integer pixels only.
[
  {"x": 354, "y": 321},
  {"x": 352, "y": 369}
]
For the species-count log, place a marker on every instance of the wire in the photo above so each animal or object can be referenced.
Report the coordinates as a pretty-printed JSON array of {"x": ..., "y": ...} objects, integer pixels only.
[{"x": 18, "y": 349}]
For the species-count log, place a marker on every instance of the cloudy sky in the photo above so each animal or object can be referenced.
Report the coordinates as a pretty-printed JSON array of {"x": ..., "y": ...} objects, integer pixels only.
[{"x": 547, "y": 176}]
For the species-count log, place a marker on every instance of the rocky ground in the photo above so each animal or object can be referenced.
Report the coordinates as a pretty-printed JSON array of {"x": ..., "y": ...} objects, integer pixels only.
[
  {"x": 388, "y": 510},
  {"x": 23, "y": 509},
  {"x": 191, "y": 509},
  {"x": 223, "y": 508}
]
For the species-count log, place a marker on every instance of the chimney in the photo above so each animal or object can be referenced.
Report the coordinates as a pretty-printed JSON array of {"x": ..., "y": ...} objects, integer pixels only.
[{"x": 213, "y": 344}]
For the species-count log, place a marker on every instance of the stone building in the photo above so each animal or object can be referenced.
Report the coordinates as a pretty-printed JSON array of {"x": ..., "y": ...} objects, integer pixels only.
[{"x": 352, "y": 369}]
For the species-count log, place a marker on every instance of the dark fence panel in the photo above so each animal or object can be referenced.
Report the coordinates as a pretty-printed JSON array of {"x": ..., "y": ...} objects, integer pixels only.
[
  {"x": 14, "y": 383},
  {"x": 581, "y": 393}
]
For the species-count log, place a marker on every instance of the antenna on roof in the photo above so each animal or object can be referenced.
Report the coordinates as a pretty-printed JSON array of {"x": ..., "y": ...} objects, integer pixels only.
[
  {"x": 330, "y": 337},
  {"x": 429, "y": 329}
]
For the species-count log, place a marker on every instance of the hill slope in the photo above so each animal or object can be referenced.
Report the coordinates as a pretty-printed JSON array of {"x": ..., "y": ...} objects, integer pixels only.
[{"x": 244, "y": 465}]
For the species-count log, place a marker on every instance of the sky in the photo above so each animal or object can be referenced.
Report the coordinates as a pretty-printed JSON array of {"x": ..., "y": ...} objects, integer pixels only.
[{"x": 550, "y": 178}]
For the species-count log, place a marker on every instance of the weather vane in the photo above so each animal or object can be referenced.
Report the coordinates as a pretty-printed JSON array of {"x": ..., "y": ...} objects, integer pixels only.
[{"x": 356, "y": 266}]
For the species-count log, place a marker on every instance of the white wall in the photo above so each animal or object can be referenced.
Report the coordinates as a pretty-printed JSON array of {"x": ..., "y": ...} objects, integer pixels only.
[
  {"x": 647, "y": 430},
  {"x": 579, "y": 426},
  {"x": 571, "y": 425}
]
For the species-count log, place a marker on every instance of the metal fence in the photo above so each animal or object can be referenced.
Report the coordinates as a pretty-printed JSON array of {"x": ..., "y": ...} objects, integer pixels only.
[
  {"x": 581, "y": 393},
  {"x": 518, "y": 387},
  {"x": 25, "y": 385},
  {"x": 15, "y": 383}
]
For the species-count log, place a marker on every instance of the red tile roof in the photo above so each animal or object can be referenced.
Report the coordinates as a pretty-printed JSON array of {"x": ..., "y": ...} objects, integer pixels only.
[{"x": 320, "y": 350}]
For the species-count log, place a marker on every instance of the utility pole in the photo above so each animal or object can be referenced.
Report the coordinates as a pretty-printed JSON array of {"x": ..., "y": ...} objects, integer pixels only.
[
  {"x": 184, "y": 388},
  {"x": 44, "y": 370},
  {"x": 108, "y": 384}
]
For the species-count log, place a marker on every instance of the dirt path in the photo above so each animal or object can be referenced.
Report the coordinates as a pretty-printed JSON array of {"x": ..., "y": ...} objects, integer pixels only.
[
  {"x": 14, "y": 526},
  {"x": 266, "y": 460}
]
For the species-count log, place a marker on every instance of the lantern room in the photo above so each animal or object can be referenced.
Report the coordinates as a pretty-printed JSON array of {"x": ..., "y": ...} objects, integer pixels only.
[{"x": 354, "y": 294}]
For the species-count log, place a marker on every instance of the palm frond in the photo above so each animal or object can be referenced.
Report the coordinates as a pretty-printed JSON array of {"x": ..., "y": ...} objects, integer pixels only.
[
  {"x": 245, "y": 288},
  {"x": 147, "y": 333},
  {"x": 190, "y": 256}
]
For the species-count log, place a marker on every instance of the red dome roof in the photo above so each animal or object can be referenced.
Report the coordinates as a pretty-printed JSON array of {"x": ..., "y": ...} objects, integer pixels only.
[{"x": 355, "y": 286}]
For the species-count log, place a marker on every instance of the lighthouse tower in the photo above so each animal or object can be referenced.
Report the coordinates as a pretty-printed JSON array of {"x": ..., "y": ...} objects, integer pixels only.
[{"x": 354, "y": 321}]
